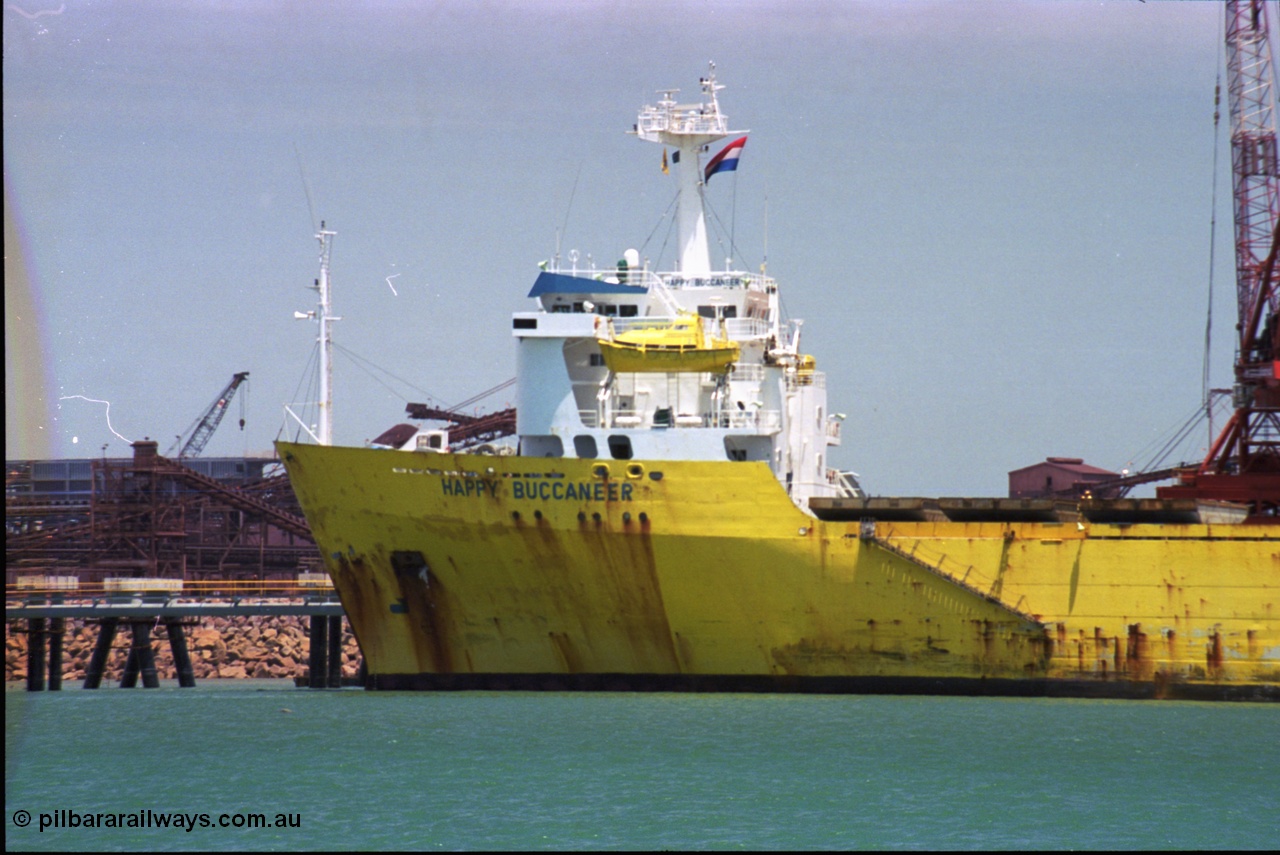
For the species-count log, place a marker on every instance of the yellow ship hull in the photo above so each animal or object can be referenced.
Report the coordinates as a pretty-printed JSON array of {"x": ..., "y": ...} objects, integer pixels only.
[{"x": 463, "y": 571}]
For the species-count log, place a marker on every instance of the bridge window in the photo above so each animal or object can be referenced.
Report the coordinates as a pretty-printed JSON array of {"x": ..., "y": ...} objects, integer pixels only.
[
  {"x": 585, "y": 445},
  {"x": 620, "y": 447},
  {"x": 747, "y": 447},
  {"x": 542, "y": 446}
]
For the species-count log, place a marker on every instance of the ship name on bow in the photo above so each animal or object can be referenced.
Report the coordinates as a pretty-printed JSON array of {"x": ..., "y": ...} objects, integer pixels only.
[{"x": 556, "y": 490}]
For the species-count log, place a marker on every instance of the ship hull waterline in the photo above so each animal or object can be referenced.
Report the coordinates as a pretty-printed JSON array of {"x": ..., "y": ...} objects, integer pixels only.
[{"x": 508, "y": 572}]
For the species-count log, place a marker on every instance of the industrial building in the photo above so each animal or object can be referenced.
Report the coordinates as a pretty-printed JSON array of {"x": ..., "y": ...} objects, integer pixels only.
[
  {"x": 149, "y": 516},
  {"x": 1063, "y": 477}
]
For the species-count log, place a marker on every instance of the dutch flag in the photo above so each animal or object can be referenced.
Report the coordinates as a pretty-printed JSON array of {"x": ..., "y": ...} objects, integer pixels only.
[{"x": 726, "y": 160}]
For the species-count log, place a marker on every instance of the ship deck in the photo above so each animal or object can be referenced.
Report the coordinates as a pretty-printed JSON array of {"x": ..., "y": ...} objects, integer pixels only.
[{"x": 954, "y": 509}]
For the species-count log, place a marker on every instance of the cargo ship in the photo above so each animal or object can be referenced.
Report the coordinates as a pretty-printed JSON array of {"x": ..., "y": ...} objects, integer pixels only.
[{"x": 669, "y": 520}]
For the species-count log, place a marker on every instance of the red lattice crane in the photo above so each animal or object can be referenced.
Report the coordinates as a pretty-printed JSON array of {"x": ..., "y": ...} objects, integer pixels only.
[{"x": 1243, "y": 465}]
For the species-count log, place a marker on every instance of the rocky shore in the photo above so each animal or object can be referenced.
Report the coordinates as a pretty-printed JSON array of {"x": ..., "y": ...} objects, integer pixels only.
[{"x": 237, "y": 647}]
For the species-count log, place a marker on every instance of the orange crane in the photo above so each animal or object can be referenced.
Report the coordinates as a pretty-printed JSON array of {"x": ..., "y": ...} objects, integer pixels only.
[{"x": 1243, "y": 464}]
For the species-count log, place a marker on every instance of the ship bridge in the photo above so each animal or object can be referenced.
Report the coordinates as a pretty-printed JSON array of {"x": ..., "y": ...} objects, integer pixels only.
[{"x": 711, "y": 372}]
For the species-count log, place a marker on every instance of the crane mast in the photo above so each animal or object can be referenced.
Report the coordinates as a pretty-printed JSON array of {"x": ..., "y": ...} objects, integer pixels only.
[{"x": 1243, "y": 464}]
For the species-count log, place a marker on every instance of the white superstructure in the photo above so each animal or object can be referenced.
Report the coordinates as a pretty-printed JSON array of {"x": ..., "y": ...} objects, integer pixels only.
[{"x": 770, "y": 405}]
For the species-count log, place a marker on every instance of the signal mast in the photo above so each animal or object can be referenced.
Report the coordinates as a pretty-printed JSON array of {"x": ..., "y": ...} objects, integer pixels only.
[{"x": 1243, "y": 465}]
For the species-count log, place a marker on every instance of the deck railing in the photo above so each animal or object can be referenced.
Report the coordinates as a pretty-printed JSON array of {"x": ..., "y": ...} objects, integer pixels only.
[
  {"x": 306, "y": 585},
  {"x": 646, "y": 278},
  {"x": 753, "y": 419}
]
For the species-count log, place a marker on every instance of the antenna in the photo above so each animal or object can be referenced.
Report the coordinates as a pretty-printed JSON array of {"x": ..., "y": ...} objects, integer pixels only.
[
  {"x": 306, "y": 189},
  {"x": 764, "y": 264},
  {"x": 565, "y": 227}
]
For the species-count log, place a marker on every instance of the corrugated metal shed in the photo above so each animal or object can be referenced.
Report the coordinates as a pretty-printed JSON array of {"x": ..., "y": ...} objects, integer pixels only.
[{"x": 1060, "y": 476}]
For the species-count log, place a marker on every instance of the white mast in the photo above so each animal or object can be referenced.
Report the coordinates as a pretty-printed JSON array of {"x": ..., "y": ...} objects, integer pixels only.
[
  {"x": 688, "y": 128},
  {"x": 325, "y": 436}
]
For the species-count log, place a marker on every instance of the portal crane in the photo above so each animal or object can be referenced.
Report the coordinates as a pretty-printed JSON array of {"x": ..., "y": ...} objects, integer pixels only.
[
  {"x": 1243, "y": 464},
  {"x": 212, "y": 417}
]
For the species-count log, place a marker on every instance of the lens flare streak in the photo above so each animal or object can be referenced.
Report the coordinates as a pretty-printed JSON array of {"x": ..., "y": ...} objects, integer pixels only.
[{"x": 98, "y": 401}]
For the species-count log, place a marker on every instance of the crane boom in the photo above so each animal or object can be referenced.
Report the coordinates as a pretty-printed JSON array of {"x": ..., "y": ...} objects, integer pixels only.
[{"x": 212, "y": 417}]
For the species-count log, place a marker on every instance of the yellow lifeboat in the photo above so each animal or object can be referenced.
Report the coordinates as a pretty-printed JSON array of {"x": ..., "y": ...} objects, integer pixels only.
[
  {"x": 677, "y": 345},
  {"x": 805, "y": 367}
]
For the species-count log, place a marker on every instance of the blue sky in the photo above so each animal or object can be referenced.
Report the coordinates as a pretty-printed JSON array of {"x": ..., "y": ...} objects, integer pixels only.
[{"x": 994, "y": 217}]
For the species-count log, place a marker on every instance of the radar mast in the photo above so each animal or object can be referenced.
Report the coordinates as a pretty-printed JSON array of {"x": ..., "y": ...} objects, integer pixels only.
[{"x": 688, "y": 128}]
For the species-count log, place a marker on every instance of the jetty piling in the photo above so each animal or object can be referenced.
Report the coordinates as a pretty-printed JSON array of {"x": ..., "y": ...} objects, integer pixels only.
[
  {"x": 317, "y": 671},
  {"x": 35, "y": 655},
  {"x": 142, "y": 659},
  {"x": 181, "y": 656},
  {"x": 57, "y": 628},
  {"x": 335, "y": 652},
  {"x": 101, "y": 650},
  {"x": 45, "y": 621}
]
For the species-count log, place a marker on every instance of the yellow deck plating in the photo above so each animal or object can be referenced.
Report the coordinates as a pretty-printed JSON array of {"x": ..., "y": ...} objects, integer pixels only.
[{"x": 478, "y": 571}]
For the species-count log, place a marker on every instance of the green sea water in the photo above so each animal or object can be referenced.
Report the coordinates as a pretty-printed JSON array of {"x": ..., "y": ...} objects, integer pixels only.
[{"x": 355, "y": 770}]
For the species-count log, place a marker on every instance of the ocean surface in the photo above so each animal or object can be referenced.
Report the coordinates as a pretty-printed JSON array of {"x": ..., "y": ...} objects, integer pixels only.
[{"x": 354, "y": 770}]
